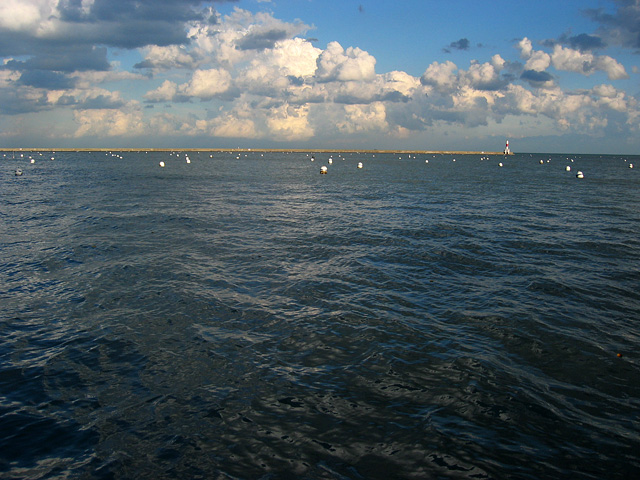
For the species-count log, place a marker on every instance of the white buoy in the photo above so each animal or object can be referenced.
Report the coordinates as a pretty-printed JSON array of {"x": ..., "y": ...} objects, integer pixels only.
[
  {"x": 631, "y": 165},
  {"x": 426, "y": 161},
  {"x": 18, "y": 172},
  {"x": 330, "y": 160},
  {"x": 568, "y": 168},
  {"x": 579, "y": 175},
  {"x": 188, "y": 160},
  {"x": 161, "y": 164},
  {"x": 500, "y": 164},
  {"x": 359, "y": 164},
  {"x": 323, "y": 170},
  {"x": 33, "y": 160},
  {"x": 541, "y": 162}
]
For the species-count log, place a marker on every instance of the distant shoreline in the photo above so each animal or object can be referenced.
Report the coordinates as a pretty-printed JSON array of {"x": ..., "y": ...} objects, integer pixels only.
[{"x": 281, "y": 150}]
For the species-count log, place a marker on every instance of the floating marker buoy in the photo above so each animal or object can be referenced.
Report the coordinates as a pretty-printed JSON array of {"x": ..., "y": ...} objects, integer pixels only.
[
  {"x": 33, "y": 160},
  {"x": 426, "y": 161},
  {"x": 359, "y": 164},
  {"x": 500, "y": 164},
  {"x": 330, "y": 160},
  {"x": 161, "y": 164},
  {"x": 579, "y": 175},
  {"x": 541, "y": 162},
  {"x": 631, "y": 165},
  {"x": 619, "y": 355},
  {"x": 323, "y": 170},
  {"x": 18, "y": 172},
  {"x": 568, "y": 168}
]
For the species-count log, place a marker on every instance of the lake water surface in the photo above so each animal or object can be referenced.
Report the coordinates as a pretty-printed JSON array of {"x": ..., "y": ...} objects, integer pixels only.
[{"x": 244, "y": 317}]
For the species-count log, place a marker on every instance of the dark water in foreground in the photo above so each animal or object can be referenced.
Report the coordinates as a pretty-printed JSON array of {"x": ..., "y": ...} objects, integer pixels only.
[{"x": 249, "y": 318}]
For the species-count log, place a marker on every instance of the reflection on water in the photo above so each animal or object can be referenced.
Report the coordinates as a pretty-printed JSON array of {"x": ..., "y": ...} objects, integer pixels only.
[{"x": 250, "y": 318}]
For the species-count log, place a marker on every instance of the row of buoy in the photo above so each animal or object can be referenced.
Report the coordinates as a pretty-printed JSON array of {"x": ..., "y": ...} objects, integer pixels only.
[
  {"x": 33, "y": 160},
  {"x": 186, "y": 157},
  {"x": 18, "y": 171},
  {"x": 324, "y": 170},
  {"x": 579, "y": 174},
  {"x": 330, "y": 159}
]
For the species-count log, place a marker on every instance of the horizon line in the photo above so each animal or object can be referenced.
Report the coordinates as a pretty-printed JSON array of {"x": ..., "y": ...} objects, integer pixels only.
[{"x": 238, "y": 149}]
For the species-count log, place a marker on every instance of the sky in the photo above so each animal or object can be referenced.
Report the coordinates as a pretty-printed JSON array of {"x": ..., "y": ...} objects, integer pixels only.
[{"x": 550, "y": 76}]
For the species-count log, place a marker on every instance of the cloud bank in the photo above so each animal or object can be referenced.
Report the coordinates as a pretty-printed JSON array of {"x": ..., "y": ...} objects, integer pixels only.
[{"x": 253, "y": 77}]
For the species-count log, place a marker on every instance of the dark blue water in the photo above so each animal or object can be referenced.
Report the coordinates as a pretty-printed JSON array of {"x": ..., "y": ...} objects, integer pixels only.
[{"x": 245, "y": 317}]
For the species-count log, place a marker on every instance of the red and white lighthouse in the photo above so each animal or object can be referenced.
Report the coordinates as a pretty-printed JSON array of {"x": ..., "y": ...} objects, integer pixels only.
[{"x": 506, "y": 149}]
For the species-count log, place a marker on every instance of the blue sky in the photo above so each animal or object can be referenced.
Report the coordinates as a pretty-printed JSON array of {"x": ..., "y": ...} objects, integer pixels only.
[{"x": 419, "y": 74}]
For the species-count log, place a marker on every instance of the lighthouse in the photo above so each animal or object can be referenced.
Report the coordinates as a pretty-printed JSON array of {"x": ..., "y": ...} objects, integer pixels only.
[{"x": 506, "y": 149}]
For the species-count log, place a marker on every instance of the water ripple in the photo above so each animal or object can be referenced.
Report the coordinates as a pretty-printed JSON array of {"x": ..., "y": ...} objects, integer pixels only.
[{"x": 408, "y": 320}]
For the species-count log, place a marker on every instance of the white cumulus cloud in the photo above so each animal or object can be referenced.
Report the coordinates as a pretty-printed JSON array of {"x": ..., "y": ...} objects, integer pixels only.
[
  {"x": 362, "y": 118},
  {"x": 586, "y": 63},
  {"x": 296, "y": 57},
  {"x": 206, "y": 84},
  {"x": 168, "y": 57},
  {"x": 337, "y": 64},
  {"x": 443, "y": 76},
  {"x": 526, "y": 48},
  {"x": 26, "y": 15},
  {"x": 289, "y": 122},
  {"x": 538, "y": 61},
  {"x": 485, "y": 76},
  {"x": 241, "y": 122},
  {"x": 108, "y": 122},
  {"x": 164, "y": 93}
]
